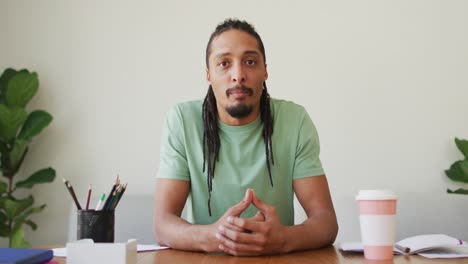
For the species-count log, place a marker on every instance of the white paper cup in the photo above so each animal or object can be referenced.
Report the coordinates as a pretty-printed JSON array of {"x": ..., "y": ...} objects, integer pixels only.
[{"x": 377, "y": 209}]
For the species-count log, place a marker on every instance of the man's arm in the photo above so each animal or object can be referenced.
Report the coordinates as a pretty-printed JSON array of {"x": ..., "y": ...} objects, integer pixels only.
[
  {"x": 321, "y": 227},
  {"x": 270, "y": 237},
  {"x": 173, "y": 231}
]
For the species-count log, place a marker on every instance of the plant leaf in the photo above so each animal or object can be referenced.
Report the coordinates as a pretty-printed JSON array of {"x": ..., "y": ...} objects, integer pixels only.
[
  {"x": 4, "y": 79},
  {"x": 4, "y": 230},
  {"x": 21, "y": 88},
  {"x": 17, "y": 153},
  {"x": 22, "y": 219},
  {"x": 458, "y": 171},
  {"x": 3, "y": 186},
  {"x": 462, "y": 146},
  {"x": 16, "y": 207},
  {"x": 17, "y": 239},
  {"x": 3, "y": 147},
  {"x": 458, "y": 191},
  {"x": 34, "y": 124},
  {"x": 3, "y": 156},
  {"x": 31, "y": 224},
  {"x": 41, "y": 176},
  {"x": 3, "y": 217},
  {"x": 10, "y": 120}
]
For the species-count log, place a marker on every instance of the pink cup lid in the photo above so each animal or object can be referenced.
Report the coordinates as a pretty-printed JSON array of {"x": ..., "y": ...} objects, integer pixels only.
[{"x": 376, "y": 195}]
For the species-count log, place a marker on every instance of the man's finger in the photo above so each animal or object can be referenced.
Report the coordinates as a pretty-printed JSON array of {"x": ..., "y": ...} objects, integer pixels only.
[
  {"x": 246, "y": 224},
  {"x": 237, "y": 249},
  {"x": 252, "y": 238},
  {"x": 228, "y": 225},
  {"x": 238, "y": 237},
  {"x": 258, "y": 217},
  {"x": 249, "y": 193}
]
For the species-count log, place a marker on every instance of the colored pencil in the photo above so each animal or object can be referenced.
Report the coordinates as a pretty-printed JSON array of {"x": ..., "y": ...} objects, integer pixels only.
[
  {"x": 72, "y": 193},
  {"x": 101, "y": 199},
  {"x": 88, "y": 198},
  {"x": 109, "y": 198},
  {"x": 117, "y": 192},
  {"x": 124, "y": 187}
]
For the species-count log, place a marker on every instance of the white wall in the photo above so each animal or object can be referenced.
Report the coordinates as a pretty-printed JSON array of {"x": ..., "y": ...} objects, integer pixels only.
[{"x": 384, "y": 81}]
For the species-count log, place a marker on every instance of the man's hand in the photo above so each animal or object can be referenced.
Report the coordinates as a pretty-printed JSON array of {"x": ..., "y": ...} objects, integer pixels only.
[
  {"x": 223, "y": 222},
  {"x": 260, "y": 235}
]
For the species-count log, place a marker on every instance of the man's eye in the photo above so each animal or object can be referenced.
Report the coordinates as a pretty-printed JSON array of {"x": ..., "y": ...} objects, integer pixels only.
[
  {"x": 223, "y": 64},
  {"x": 250, "y": 62}
]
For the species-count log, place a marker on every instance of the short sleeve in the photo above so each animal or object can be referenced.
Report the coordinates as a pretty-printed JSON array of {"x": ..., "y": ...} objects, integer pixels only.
[
  {"x": 173, "y": 158},
  {"x": 307, "y": 161}
]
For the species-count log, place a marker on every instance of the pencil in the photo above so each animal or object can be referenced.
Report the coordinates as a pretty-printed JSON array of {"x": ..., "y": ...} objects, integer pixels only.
[
  {"x": 72, "y": 193},
  {"x": 101, "y": 199},
  {"x": 124, "y": 187},
  {"x": 112, "y": 199},
  {"x": 89, "y": 197},
  {"x": 115, "y": 198},
  {"x": 109, "y": 198},
  {"x": 405, "y": 250}
]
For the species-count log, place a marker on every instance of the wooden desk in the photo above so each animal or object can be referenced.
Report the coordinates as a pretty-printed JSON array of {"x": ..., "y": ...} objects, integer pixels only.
[{"x": 329, "y": 255}]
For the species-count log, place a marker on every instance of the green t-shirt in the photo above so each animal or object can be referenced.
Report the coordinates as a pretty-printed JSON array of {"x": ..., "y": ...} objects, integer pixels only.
[{"x": 242, "y": 160}]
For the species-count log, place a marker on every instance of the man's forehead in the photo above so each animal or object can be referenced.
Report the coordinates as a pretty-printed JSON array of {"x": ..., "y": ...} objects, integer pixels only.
[{"x": 234, "y": 41}]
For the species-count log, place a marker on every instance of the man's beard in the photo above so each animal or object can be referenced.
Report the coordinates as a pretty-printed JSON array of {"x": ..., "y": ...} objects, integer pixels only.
[{"x": 241, "y": 110}]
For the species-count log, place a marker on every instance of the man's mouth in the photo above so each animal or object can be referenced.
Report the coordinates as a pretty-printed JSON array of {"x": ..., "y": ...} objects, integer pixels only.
[{"x": 239, "y": 91}]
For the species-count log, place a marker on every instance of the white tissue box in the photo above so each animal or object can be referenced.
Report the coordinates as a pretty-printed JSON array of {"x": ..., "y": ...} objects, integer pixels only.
[{"x": 86, "y": 252}]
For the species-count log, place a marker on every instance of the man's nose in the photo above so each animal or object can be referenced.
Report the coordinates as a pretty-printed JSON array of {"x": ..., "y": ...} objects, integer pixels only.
[{"x": 238, "y": 74}]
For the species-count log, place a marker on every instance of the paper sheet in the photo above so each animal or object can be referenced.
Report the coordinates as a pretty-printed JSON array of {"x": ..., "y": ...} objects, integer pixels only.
[{"x": 141, "y": 248}]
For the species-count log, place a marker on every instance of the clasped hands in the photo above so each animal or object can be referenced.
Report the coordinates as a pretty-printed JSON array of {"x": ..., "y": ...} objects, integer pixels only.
[{"x": 262, "y": 234}]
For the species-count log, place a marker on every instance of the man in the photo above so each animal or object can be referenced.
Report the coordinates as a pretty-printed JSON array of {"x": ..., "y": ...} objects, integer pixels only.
[{"x": 237, "y": 158}]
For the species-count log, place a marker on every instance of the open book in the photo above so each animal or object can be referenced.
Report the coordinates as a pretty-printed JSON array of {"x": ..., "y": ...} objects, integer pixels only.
[{"x": 430, "y": 246}]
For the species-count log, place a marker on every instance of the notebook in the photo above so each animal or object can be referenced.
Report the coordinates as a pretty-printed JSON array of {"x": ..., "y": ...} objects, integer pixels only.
[
  {"x": 25, "y": 255},
  {"x": 429, "y": 246}
]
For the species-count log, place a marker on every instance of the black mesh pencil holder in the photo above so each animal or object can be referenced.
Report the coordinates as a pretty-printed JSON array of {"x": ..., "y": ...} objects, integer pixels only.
[{"x": 97, "y": 225}]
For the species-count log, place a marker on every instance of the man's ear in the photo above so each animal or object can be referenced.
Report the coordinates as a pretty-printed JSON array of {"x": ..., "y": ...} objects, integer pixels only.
[{"x": 208, "y": 78}]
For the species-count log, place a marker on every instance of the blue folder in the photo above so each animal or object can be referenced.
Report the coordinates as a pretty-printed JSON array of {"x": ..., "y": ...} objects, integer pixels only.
[{"x": 25, "y": 255}]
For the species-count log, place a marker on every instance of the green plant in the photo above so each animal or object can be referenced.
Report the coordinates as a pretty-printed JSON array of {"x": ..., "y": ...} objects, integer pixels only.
[
  {"x": 459, "y": 169},
  {"x": 17, "y": 128}
]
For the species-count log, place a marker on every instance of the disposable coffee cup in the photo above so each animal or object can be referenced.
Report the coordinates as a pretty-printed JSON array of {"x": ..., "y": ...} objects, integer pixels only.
[
  {"x": 377, "y": 217},
  {"x": 97, "y": 225}
]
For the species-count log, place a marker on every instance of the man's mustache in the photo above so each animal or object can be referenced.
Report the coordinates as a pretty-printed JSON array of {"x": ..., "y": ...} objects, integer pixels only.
[{"x": 243, "y": 88}]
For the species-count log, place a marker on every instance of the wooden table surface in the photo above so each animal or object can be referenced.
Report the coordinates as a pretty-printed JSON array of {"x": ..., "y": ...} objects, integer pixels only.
[{"x": 330, "y": 255}]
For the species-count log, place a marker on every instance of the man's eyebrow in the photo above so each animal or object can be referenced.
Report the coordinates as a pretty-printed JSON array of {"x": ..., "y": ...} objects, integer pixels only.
[
  {"x": 253, "y": 52},
  {"x": 216, "y": 56},
  {"x": 247, "y": 52}
]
